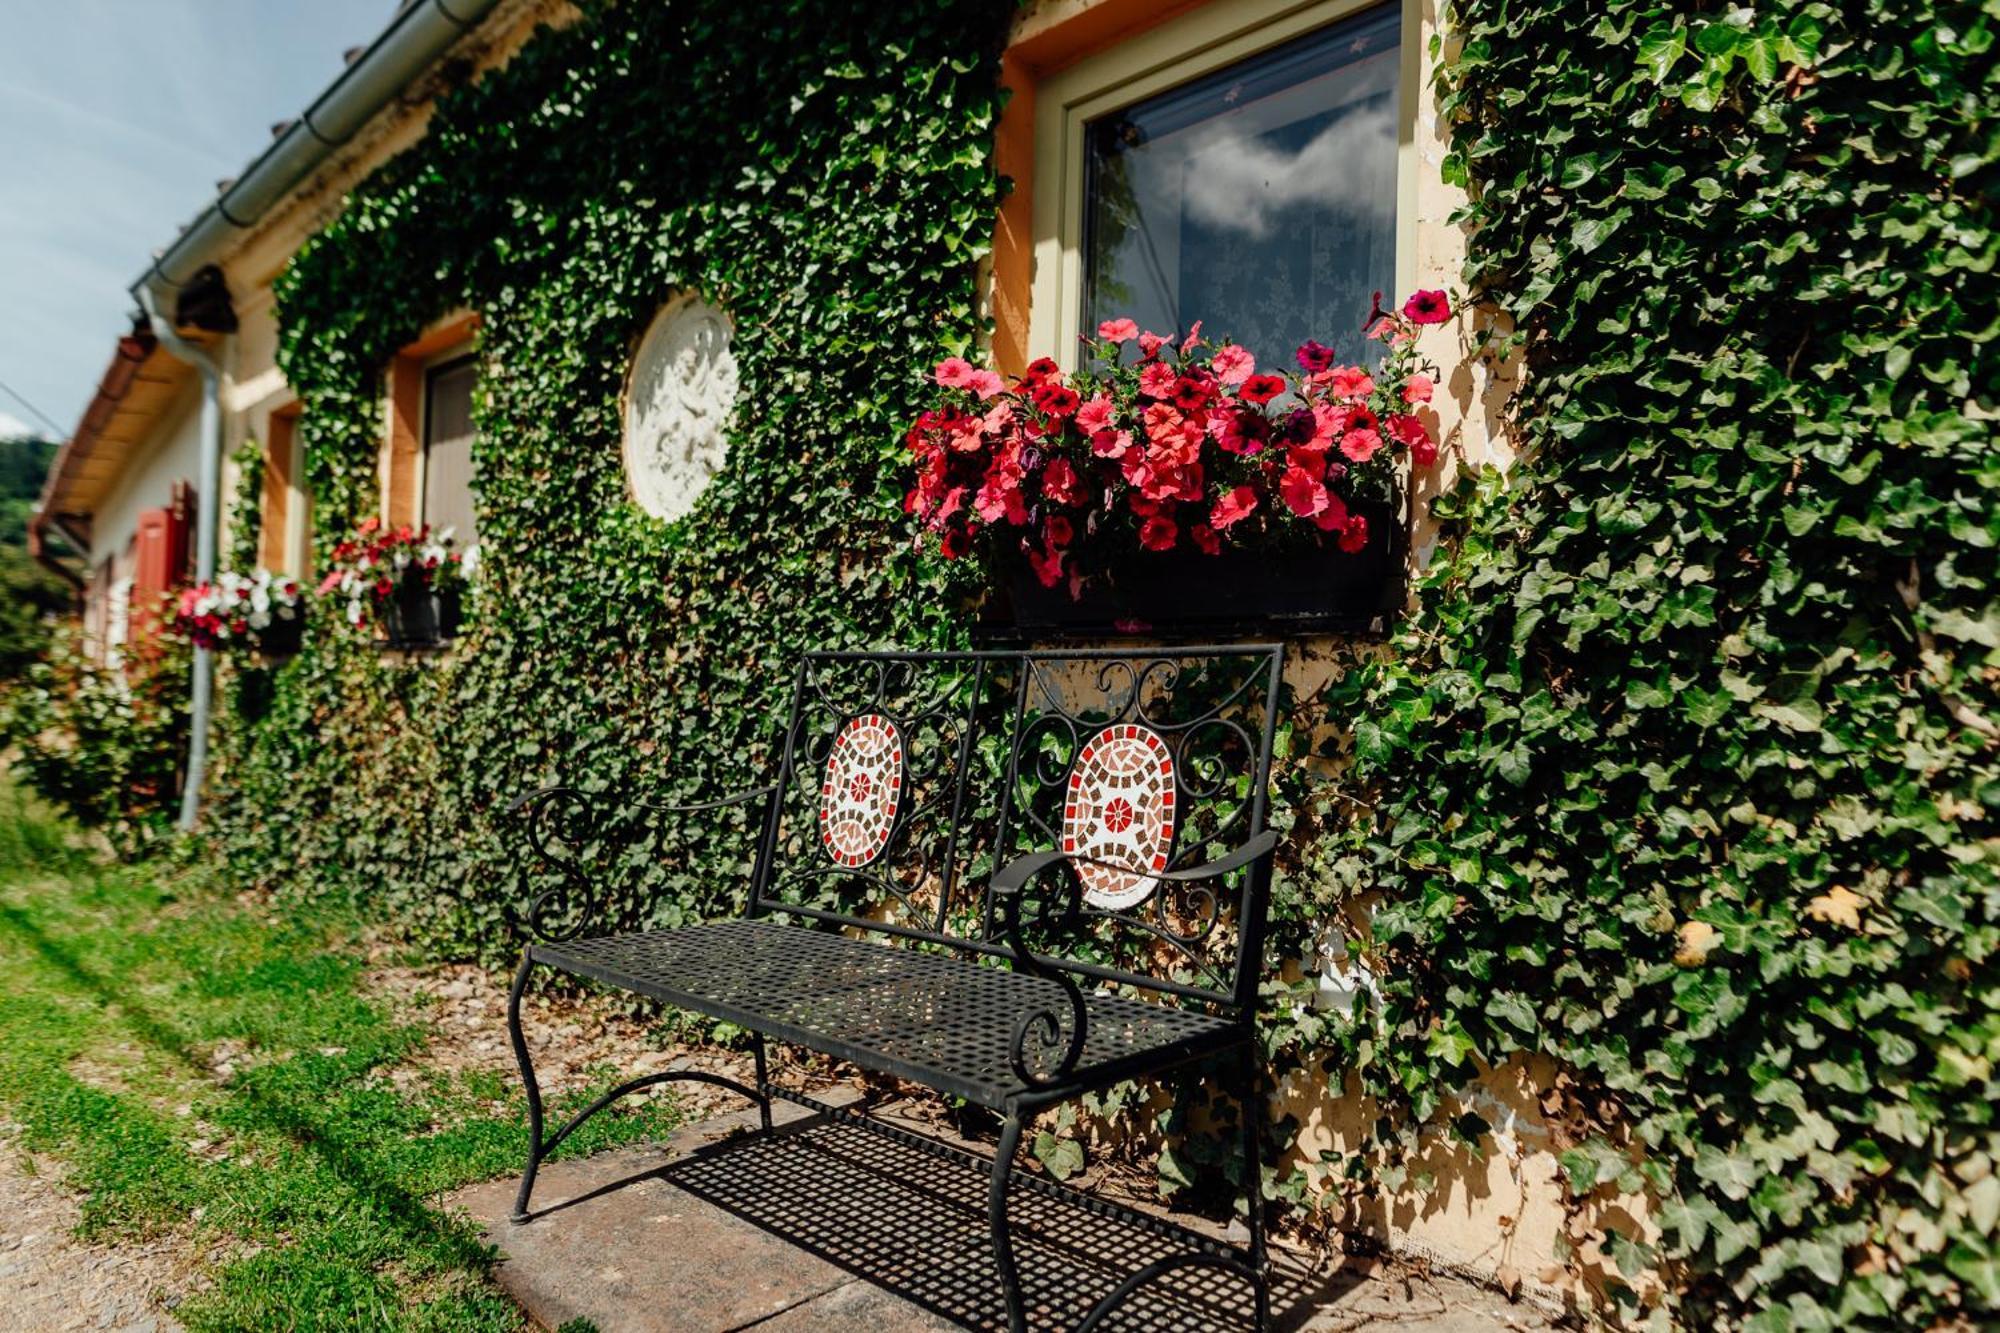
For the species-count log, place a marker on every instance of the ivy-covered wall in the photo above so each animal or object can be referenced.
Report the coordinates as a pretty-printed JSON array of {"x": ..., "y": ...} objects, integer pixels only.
[
  {"x": 1682, "y": 778},
  {"x": 1686, "y": 776}
]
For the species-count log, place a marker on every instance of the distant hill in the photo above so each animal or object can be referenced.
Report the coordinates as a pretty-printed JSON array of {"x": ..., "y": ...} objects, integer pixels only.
[{"x": 24, "y": 461}]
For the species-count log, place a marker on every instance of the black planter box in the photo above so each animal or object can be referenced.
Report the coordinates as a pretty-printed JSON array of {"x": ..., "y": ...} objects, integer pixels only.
[
  {"x": 1305, "y": 590},
  {"x": 283, "y": 636},
  {"x": 420, "y": 616}
]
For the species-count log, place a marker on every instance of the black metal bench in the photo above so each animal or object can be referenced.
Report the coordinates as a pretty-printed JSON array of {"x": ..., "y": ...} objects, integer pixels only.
[{"x": 1067, "y": 850}]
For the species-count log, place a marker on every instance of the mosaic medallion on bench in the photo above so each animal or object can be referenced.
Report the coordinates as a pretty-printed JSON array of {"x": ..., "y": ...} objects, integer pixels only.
[
  {"x": 1120, "y": 809},
  {"x": 862, "y": 790}
]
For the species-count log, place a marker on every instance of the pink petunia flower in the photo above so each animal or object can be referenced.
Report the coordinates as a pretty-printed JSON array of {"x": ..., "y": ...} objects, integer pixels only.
[
  {"x": 1302, "y": 494},
  {"x": 1350, "y": 382},
  {"x": 1150, "y": 344},
  {"x": 1158, "y": 380},
  {"x": 1360, "y": 445},
  {"x": 1110, "y": 443},
  {"x": 1233, "y": 364},
  {"x": 1232, "y": 508},
  {"x": 985, "y": 383},
  {"x": 1118, "y": 330},
  {"x": 1418, "y": 390},
  {"x": 954, "y": 372},
  {"x": 1095, "y": 415}
]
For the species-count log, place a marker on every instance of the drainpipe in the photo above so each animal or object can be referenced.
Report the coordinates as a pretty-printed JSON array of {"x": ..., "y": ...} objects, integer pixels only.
[{"x": 207, "y": 505}]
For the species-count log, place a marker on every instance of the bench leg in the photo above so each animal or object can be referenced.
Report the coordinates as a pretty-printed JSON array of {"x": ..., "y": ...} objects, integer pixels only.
[
  {"x": 1251, "y": 1109},
  {"x": 763, "y": 1081},
  {"x": 996, "y": 1216},
  {"x": 535, "y": 1148}
]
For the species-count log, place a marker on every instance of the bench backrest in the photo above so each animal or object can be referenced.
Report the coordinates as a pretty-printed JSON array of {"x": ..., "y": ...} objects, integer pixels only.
[{"x": 908, "y": 778}]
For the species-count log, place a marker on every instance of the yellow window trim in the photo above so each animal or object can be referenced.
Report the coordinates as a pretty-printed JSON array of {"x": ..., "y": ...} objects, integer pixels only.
[{"x": 1174, "y": 53}]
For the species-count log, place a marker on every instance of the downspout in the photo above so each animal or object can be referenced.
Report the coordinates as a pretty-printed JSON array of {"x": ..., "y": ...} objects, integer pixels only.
[{"x": 207, "y": 506}]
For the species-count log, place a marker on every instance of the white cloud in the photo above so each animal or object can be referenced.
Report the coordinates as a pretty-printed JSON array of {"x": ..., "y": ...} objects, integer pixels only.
[
  {"x": 1239, "y": 181},
  {"x": 12, "y": 427}
]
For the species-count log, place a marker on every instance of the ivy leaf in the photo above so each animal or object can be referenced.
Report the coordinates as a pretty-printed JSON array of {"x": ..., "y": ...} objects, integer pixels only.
[
  {"x": 1659, "y": 49},
  {"x": 1063, "y": 1157}
]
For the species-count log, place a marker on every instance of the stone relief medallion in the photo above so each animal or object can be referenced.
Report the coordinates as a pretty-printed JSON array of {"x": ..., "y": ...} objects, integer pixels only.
[
  {"x": 862, "y": 790},
  {"x": 677, "y": 405},
  {"x": 1120, "y": 809}
]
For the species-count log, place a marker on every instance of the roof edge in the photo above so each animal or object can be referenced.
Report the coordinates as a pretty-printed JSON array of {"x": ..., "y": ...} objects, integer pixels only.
[{"x": 414, "y": 39}]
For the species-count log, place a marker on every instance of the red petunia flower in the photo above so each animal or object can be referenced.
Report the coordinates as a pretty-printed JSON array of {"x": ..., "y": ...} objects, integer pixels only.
[
  {"x": 1059, "y": 483},
  {"x": 1314, "y": 356},
  {"x": 1189, "y": 394},
  {"x": 1059, "y": 530},
  {"x": 1204, "y": 537},
  {"x": 954, "y": 543},
  {"x": 1427, "y": 307},
  {"x": 1048, "y": 566},
  {"x": 1355, "y": 535},
  {"x": 1261, "y": 389},
  {"x": 1158, "y": 533},
  {"x": 1039, "y": 369},
  {"x": 1056, "y": 401}
]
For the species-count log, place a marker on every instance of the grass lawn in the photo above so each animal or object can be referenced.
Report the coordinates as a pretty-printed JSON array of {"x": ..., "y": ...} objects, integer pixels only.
[{"x": 210, "y": 1068}]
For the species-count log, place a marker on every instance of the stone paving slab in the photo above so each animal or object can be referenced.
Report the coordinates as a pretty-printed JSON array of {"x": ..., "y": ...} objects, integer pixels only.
[{"x": 826, "y": 1227}]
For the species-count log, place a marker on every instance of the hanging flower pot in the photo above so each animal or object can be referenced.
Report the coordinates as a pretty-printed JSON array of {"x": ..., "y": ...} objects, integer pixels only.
[
  {"x": 421, "y": 613},
  {"x": 258, "y": 612},
  {"x": 407, "y": 582}
]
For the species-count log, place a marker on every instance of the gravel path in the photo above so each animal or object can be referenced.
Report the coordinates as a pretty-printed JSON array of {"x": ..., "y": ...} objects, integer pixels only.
[{"x": 50, "y": 1281}]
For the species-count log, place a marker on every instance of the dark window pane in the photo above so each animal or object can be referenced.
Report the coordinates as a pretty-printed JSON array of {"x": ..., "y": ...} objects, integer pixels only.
[
  {"x": 1260, "y": 200},
  {"x": 448, "y": 449}
]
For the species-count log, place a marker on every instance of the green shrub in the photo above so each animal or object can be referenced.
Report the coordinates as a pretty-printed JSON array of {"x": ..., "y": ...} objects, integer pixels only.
[{"x": 104, "y": 743}]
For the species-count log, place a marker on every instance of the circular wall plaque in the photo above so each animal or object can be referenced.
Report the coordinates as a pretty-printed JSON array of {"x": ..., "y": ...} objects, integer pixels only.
[{"x": 677, "y": 405}]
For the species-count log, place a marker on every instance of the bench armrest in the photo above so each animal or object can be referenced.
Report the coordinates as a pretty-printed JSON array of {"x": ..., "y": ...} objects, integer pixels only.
[
  {"x": 1018, "y": 873},
  {"x": 561, "y": 822},
  {"x": 1044, "y": 1027}
]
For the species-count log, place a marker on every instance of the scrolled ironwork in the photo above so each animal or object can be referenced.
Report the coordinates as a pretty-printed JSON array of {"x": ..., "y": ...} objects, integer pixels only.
[
  {"x": 1042, "y": 1027},
  {"x": 560, "y": 823}
]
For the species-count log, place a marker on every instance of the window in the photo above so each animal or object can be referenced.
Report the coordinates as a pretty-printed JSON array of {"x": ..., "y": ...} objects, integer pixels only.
[
  {"x": 1260, "y": 200},
  {"x": 448, "y": 448},
  {"x": 282, "y": 498},
  {"x": 1242, "y": 166}
]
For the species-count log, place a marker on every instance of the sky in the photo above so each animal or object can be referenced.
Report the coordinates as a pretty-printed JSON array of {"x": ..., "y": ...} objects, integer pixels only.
[{"x": 117, "y": 118}]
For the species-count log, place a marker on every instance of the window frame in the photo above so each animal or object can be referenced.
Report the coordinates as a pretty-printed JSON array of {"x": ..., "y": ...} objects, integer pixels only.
[{"x": 1163, "y": 57}]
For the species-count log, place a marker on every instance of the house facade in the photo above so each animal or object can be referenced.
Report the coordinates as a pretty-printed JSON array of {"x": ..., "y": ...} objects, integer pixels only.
[
  {"x": 657, "y": 372},
  {"x": 641, "y": 301}
]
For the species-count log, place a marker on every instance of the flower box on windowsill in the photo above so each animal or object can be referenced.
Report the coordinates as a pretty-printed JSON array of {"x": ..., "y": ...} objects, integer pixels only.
[
  {"x": 282, "y": 638},
  {"x": 420, "y": 616},
  {"x": 1303, "y": 590}
]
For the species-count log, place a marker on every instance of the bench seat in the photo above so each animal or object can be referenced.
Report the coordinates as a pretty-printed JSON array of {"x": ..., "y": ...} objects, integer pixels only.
[{"x": 936, "y": 1018}]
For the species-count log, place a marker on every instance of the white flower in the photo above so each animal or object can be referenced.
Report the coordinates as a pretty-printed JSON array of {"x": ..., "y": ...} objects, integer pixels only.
[
  {"x": 260, "y": 601},
  {"x": 470, "y": 564},
  {"x": 354, "y": 613}
]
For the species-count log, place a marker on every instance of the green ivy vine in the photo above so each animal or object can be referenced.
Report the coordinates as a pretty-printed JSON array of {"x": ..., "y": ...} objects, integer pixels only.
[{"x": 1686, "y": 775}]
